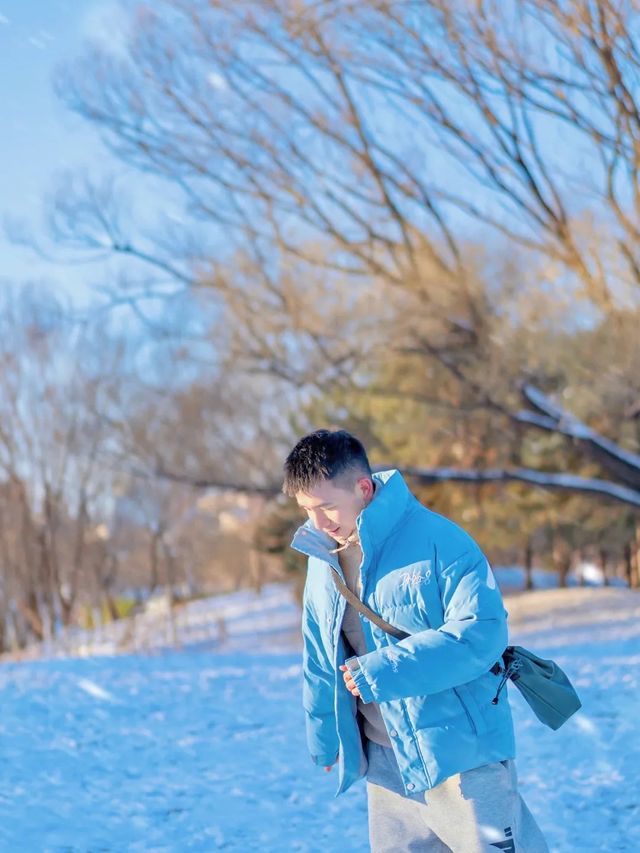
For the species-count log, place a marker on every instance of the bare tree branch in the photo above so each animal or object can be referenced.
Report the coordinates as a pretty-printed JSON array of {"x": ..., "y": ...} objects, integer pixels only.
[{"x": 620, "y": 463}]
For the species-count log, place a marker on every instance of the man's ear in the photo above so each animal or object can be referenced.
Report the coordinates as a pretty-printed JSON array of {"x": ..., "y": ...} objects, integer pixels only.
[{"x": 366, "y": 488}]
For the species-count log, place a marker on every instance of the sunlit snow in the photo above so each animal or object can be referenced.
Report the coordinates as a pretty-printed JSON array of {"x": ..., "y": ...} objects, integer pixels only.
[{"x": 198, "y": 750}]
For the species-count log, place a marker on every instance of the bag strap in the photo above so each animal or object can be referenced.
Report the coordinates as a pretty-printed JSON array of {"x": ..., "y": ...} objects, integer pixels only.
[
  {"x": 354, "y": 601},
  {"x": 359, "y": 605}
]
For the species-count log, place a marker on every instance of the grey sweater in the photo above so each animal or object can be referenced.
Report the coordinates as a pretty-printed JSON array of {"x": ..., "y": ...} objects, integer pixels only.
[{"x": 350, "y": 560}]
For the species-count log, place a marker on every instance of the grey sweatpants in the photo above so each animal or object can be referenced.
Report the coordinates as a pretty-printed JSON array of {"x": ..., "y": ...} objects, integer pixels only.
[{"x": 478, "y": 811}]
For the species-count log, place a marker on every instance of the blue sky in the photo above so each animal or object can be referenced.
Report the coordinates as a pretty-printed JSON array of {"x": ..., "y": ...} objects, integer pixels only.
[{"x": 40, "y": 137}]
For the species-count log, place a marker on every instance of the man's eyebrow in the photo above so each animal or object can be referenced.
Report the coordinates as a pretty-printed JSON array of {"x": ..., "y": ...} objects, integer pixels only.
[{"x": 317, "y": 506}]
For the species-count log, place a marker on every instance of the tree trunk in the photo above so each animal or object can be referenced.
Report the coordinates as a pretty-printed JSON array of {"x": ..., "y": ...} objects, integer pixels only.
[
  {"x": 153, "y": 562},
  {"x": 634, "y": 575},
  {"x": 604, "y": 566},
  {"x": 528, "y": 566},
  {"x": 563, "y": 571},
  {"x": 256, "y": 566},
  {"x": 628, "y": 564},
  {"x": 4, "y": 621},
  {"x": 581, "y": 560},
  {"x": 29, "y": 609},
  {"x": 171, "y": 581},
  {"x": 112, "y": 610},
  {"x": 66, "y": 610},
  {"x": 561, "y": 560}
]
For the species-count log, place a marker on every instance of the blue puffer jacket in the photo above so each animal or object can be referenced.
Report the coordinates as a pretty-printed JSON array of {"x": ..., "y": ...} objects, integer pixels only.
[{"x": 425, "y": 575}]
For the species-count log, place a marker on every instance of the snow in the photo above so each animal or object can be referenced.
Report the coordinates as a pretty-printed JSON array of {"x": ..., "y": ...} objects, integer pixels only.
[
  {"x": 570, "y": 425},
  {"x": 221, "y": 622},
  {"x": 582, "y": 780},
  {"x": 544, "y": 479},
  {"x": 512, "y": 578},
  {"x": 205, "y": 750},
  {"x": 217, "y": 81}
]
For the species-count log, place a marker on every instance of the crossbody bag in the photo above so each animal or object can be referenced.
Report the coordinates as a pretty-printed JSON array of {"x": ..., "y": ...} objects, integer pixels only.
[{"x": 543, "y": 684}]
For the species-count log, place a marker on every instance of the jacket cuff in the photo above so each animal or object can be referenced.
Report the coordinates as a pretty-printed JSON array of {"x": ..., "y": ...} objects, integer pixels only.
[
  {"x": 325, "y": 760},
  {"x": 360, "y": 680}
]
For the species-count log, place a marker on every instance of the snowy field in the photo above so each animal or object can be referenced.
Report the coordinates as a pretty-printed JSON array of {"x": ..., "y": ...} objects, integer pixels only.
[{"x": 205, "y": 751}]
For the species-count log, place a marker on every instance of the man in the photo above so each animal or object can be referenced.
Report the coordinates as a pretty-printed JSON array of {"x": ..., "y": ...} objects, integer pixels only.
[{"x": 417, "y": 716}]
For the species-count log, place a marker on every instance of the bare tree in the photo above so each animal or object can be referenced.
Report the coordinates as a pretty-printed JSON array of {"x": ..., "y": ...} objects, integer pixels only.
[
  {"x": 354, "y": 120},
  {"x": 55, "y": 488},
  {"x": 363, "y": 140}
]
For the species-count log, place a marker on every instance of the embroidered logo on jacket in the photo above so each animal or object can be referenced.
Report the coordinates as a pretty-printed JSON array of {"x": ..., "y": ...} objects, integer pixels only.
[{"x": 413, "y": 578}]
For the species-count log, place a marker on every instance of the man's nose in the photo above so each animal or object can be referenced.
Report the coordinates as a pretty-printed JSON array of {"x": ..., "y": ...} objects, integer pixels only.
[{"x": 319, "y": 520}]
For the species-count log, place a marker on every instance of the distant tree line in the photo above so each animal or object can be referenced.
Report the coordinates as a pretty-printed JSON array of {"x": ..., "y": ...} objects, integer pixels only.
[{"x": 418, "y": 221}]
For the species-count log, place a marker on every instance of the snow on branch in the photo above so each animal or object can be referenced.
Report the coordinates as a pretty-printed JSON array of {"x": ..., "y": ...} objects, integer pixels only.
[
  {"x": 622, "y": 464},
  {"x": 544, "y": 479}
]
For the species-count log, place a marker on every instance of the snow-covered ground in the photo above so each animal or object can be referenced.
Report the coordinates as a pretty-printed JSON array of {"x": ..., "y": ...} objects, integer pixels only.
[
  {"x": 220, "y": 622},
  {"x": 205, "y": 750},
  {"x": 512, "y": 578}
]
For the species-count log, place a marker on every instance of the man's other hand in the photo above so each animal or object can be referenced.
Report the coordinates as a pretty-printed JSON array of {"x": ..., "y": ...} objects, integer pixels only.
[
  {"x": 348, "y": 680},
  {"x": 328, "y": 769}
]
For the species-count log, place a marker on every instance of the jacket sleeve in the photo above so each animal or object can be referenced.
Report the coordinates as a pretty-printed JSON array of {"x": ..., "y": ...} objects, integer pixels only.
[
  {"x": 467, "y": 644},
  {"x": 318, "y": 692}
]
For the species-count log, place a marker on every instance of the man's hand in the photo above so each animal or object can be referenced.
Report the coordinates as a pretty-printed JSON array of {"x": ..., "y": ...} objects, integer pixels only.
[
  {"x": 348, "y": 680},
  {"x": 328, "y": 769}
]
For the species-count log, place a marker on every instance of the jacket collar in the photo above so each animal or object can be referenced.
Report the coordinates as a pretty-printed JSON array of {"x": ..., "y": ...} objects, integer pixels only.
[{"x": 374, "y": 524}]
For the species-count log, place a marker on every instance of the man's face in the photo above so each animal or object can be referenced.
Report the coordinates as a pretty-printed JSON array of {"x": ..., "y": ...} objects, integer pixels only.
[{"x": 333, "y": 506}]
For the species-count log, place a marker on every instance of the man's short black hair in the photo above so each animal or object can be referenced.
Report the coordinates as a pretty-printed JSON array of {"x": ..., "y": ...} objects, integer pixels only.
[{"x": 323, "y": 455}]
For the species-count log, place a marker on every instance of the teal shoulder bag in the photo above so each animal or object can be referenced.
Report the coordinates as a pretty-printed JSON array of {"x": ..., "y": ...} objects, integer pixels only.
[{"x": 545, "y": 687}]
